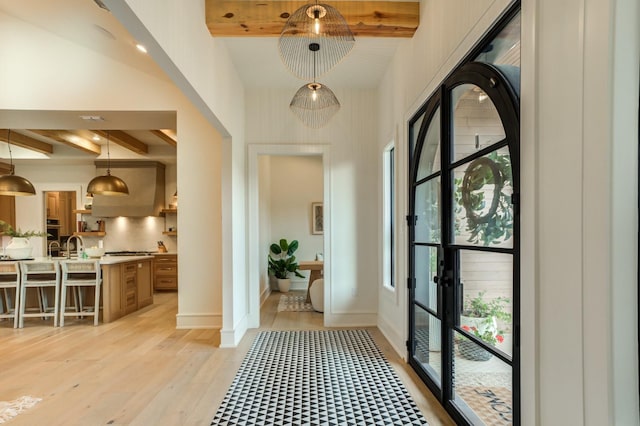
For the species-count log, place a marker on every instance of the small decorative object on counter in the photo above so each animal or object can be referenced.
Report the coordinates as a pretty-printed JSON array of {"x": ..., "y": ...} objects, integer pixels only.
[
  {"x": 161, "y": 247},
  {"x": 19, "y": 247}
]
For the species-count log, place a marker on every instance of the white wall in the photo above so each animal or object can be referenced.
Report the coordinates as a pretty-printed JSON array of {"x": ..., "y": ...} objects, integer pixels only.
[{"x": 296, "y": 182}]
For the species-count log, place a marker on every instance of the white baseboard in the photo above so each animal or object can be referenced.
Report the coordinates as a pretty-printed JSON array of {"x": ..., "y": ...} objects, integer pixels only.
[
  {"x": 350, "y": 320},
  {"x": 395, "y": 339},
  {"x": 198, "y": 321},
  {"x": 231, "y": 338}
]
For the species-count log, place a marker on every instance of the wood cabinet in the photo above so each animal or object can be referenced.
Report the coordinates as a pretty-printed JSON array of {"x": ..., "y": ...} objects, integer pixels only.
[
  {"x": 130, "y": 286},
  {"x": 8, "y": 209},
  {"x": 7, "y": 202},
  {"x": 127, "y": 287},
  {"x": 166, "y": 272},
  {"x": 112, "y": 293},
  {"x": 53, "y": 208},
  {"x": 66, "y": 207},
  {"x": 145, "y": 284}
]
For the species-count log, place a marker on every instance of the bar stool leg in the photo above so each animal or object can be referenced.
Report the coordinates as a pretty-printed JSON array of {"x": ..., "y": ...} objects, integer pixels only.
[
  {"x": 96, "y": 306},
  {"x": 63, "y": 302}
]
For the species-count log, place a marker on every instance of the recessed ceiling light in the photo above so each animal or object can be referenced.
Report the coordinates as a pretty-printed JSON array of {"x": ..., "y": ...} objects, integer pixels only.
[
  {"x": 92, "y": 117},
  {"x": 141, "y": 48}
]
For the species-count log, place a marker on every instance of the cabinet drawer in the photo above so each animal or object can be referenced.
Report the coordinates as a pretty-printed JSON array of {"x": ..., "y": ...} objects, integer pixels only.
[
  {"x": 130, "y": 267},
  {"x": 166, "y": 269},
  {"x": 166, "y": 283},
  {"x": 130, "y": 301}
]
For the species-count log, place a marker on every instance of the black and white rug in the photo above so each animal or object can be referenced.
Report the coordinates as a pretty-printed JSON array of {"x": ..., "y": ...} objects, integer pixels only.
[
  {"x": 336, "y": 377},
  {"x": 294, "y": 303}
]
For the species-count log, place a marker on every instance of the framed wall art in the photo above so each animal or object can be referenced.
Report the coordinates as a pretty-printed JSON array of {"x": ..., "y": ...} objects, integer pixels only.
[{"x": 317, "y": 218}]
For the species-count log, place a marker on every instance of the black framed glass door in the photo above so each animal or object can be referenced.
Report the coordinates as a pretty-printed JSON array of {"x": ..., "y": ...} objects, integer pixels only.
[{"x": 464, "y": 244}]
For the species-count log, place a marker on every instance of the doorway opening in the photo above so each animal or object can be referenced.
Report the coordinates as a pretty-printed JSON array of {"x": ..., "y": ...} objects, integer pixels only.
[
  {"x": 60, "y": 219},
  {"x": 295, "y": 191}
]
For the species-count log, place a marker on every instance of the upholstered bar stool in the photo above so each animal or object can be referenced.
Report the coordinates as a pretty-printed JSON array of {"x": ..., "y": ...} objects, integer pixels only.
[
  {"x": 77, "y": 274},
  {"x": 39, "y": 275},
  {"x": 10, "y": 279}
]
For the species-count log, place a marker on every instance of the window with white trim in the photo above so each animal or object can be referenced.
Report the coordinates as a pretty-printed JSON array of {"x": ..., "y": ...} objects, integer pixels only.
[{"x": 388, "y": 217}]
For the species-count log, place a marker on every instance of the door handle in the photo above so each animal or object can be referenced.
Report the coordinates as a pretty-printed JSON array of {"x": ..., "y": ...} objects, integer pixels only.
[{"x": 443, "y": 281}]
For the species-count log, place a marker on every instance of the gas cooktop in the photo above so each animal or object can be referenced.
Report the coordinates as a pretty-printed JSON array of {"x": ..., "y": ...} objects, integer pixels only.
[{"x": 129, "y": 253}]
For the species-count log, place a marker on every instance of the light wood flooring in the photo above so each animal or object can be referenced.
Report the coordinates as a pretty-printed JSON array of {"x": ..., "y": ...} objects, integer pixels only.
[{"x": 140, "y": 370}]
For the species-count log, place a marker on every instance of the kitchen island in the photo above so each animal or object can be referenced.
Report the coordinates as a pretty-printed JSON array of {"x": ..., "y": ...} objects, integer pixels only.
[{"x": 127, "y": 285}]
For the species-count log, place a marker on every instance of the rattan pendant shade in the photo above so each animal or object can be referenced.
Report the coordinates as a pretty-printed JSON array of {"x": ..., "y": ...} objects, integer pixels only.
[
  {"x": 312, "y": 26},
  {"x": 314, "y": 104}
]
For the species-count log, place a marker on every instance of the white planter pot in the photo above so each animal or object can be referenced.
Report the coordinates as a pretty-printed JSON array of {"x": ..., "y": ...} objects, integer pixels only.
[
  {"x": 19, "y": 248},
  {"x": 482, "y": 324},
  {"x": 284, "y": 285}
]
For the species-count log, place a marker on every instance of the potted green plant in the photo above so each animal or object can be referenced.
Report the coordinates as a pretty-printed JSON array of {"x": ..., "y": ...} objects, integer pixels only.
[
  {"x": 480, "y": 317},
  {"x": 282, "y": 263},
  {"x": 19, "y": 247}
]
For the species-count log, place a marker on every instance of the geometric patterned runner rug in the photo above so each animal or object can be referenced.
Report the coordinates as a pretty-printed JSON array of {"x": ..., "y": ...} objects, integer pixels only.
[
  {"x": 333, "y": 377},
  {"x": 294, "y": 303}
]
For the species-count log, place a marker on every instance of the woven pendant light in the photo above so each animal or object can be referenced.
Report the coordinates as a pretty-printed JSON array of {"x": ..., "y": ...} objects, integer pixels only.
[
  {"x": 14, "y": 185},
  {"x": 107, "y": 184},
  {"x": 314, "y": 103},
  {"x": 318, "y": 24}
]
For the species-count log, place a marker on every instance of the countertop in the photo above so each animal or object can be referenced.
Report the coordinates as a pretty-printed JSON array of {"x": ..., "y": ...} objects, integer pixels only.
[{"x": 104, "y": 260}]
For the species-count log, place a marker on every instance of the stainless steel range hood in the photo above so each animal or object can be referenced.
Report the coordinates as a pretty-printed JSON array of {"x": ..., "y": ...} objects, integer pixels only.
[{"x": 145, "y": 180}]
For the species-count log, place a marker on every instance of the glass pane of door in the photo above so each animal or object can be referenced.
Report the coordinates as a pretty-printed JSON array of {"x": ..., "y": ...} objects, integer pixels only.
[
  {"x": 430, "y": 155},
  {"x": 482, "y": 384},
  {"x": 483, "y": 213},
  {"x": 426, "y": 269},
  {"x": 476, "y": 122},
  {"x": 427, "y": 211},
  {"x": 427, "y": 350},
  {"x": 486, "y": 294}
]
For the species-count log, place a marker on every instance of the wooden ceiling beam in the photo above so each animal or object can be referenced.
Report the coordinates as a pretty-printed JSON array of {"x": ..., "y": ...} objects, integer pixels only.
[
  {"x": 70, "y": 138},
  {"x": 165, "y": 136},
  {"x": 125, "y": 140},
  {"x": 26, "y": 142},
  {"x": 227, "y": 18}
]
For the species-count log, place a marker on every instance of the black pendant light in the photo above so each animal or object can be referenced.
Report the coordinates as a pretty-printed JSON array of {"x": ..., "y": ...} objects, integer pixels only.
[
  {"x": 107, "y": 184},
  {"x": 11, "y": 184},
  {"x": 320, "y": 24},
  {"x": 314, "y": 103}
]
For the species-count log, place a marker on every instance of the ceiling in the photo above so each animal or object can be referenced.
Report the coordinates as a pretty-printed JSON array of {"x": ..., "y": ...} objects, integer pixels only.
[{"x": 255, "y": 58}]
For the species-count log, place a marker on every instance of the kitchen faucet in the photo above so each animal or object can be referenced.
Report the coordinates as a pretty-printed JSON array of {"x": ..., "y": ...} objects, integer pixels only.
[
  {"x": 79, "y": 244},
  {"x": 51, "y": 245}
]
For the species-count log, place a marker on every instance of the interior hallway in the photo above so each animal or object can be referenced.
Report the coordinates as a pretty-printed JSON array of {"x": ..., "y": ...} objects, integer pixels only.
[{"x": 140, "y": 370}]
